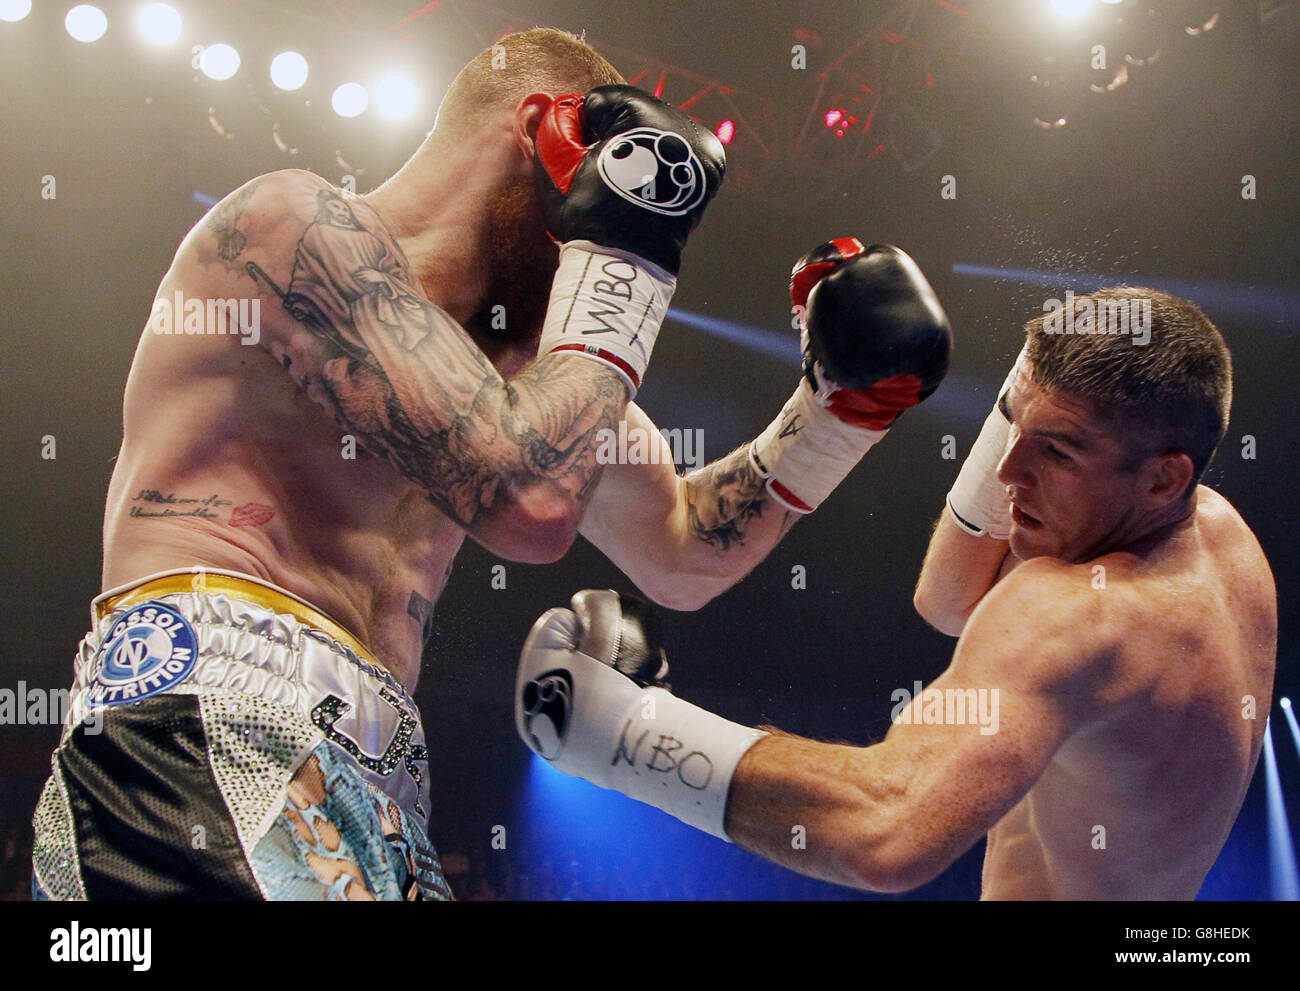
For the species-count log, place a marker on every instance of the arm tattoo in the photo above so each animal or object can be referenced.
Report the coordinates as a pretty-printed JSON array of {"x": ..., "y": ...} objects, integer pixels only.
[
  {"x": 723, "y": 497},
  {"x": 413, "y": 387}
]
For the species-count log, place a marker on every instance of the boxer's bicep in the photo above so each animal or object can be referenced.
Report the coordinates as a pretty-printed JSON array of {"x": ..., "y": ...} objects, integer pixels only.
[
  {"x": 1032, "y": 664},
  {"x": 957, "y": 758}
]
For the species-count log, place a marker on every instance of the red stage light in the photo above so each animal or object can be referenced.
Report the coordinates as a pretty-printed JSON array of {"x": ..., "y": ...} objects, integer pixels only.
[{"x": 726, "y": 131}]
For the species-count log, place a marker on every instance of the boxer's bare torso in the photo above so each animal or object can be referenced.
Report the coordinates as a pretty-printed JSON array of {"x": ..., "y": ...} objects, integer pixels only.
[
  {"x": 1130, "y": 716},
  {"x": 348, "y": 452},
  {"x": 1139, "y": 800},
  {"x": 227, "y": 463}
]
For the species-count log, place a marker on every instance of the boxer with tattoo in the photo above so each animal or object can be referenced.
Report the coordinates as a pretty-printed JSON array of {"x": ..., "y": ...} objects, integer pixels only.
[{"x": 427, "y": 365}]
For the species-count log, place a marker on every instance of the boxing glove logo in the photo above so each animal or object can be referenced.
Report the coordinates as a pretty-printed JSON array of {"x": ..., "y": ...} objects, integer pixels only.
[
  {"x": 656, "y": 170},
  {"x": 547, "y": 705}
]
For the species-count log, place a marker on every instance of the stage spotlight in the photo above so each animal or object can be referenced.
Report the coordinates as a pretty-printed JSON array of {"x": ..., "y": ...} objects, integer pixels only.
[
  {"x": 395, "y": 96},
  {"x": 219, "y": 62},
  {"x": 14, "y": 10},
  {"x": 726, "y": 131},
  {"x": 1288, "y": 713},
  {"x": 86, "y": 23},
  {"x": 288, "y": 70},
  {"x": 839, "y": 121},
  {"x": 160, "y": 23},
  {"x": 1071, "y": 8},
  {"x": 1284, "y": 878},
  {"x": 350, "y": 99},
  {"x": 774, "y": 344}
]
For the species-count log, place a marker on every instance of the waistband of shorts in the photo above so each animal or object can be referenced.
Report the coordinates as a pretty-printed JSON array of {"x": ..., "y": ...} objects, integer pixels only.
[{"x": 235, "y": 584}]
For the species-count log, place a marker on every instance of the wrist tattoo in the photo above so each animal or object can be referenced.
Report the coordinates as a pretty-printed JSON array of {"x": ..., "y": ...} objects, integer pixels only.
[{"x": 724, "y": 497}]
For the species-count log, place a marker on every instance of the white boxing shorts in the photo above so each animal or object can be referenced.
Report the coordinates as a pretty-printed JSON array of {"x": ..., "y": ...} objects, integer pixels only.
[{"x": 226, "y": 740}]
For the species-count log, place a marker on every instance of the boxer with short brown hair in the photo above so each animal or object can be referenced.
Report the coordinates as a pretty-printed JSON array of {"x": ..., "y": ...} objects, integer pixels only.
[{"x": 1117, "y": 621}]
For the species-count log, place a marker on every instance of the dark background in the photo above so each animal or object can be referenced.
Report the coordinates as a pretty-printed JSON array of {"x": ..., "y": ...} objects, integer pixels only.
[{"x": 1142, "y": 186}]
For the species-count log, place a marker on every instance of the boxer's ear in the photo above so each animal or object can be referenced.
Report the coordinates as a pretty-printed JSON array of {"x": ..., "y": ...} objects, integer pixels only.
[
  {"x": 1165, "y": 478},
  {"x": 528, "y": 117}
]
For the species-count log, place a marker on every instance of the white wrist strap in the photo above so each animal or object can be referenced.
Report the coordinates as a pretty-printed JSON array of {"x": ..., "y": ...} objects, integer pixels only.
[
  {"x": 606, "y": 304},
  {"x": 978, "y": 502},
  {"x": 679, "y": 758},
  {"x": 807, "y": 451}
]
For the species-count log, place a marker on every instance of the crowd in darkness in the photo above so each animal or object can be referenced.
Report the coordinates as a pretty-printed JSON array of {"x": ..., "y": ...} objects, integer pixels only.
[
  {"x": 16, "y": 862},
  {"x": 559, "y": 876}
]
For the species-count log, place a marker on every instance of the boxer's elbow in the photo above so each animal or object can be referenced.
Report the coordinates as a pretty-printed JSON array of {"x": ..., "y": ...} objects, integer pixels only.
[
  {"x": 888, "y": 877},
  {"x": 939, "y": 611},
  {"x": 889, "y": 865},
  {"x": 882, "y": 844},
  {"x": 681, "y": 594},
  {"x": 532, "y": 531},
  {"x": 688, "y": 582}
]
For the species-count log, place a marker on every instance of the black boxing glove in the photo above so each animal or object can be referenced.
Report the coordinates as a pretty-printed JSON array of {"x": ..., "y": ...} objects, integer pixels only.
[
  {"x": 623, "y": 179},
  {"x": 625, "y": 170},
  {"x": 875, "y": 343},
  {"x": 878, "y": 341}
]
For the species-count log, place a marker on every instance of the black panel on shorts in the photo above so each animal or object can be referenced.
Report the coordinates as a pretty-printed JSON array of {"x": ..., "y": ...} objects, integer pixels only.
[{"x": 137, "y": 790}]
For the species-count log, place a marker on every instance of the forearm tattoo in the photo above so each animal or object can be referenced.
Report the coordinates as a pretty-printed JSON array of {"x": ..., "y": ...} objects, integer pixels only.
[
  {"x": 724, "y": 496},
  {"x": 411, "y": 385}
]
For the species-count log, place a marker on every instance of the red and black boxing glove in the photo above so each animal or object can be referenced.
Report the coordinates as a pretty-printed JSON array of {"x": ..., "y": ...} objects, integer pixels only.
[
  {"x": 875, "y": 343},
  {"x": 625, "y": 170},
  {"x": 623, "y": 179}
]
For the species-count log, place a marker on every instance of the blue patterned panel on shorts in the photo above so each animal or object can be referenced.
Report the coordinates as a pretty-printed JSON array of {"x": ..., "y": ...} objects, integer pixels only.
[{"x": 340, "y": 839}]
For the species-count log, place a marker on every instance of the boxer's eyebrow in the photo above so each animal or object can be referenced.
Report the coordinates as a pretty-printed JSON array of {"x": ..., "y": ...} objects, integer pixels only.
[
  {"x": 1077, "y": 441},
  {"x": 1070, "y": 440}
]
